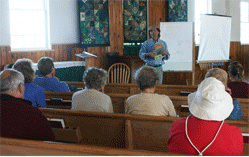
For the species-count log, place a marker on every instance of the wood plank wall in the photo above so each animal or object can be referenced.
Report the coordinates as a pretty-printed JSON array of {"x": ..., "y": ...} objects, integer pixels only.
[{"x": 157, "y": 14}]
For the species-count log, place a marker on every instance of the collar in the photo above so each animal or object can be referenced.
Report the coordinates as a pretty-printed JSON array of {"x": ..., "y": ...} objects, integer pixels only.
[
  {"x": 9, "y": 97},
  {"x": 154, "y": 41}
]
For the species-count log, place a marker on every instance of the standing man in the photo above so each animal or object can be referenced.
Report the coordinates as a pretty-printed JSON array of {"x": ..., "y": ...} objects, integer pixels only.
[{"x": 154, "y": 51}]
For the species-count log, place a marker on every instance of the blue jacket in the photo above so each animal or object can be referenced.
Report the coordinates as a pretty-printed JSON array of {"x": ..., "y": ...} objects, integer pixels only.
[
  {"x": 35, "y": 94},
  {"x": 51, "y": 84},
  {"x": 236, "y": 114}
]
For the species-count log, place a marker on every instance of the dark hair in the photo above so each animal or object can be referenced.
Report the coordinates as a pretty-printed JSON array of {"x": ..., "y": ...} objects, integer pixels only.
[
  {"x": 236, "y": 70},
  {"x": 95, "y": 78},
  {"x": 10, "y": 66},
  {"x": 25, "y": 67},
  {"x": 154, "y": 27},
  {"x": 45, "y": 65},
  {"x": 146, "y": 77}
]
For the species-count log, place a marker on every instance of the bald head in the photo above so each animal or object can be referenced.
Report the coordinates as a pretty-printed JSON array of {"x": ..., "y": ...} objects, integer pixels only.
[{"x": 10, "y": 81}]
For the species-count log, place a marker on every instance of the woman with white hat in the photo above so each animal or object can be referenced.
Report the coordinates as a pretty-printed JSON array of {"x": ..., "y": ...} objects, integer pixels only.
[{"x": 205, "y": 133}]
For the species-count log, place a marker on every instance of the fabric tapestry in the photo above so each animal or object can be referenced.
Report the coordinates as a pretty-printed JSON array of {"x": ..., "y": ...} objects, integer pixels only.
[
  {"x": 178, "y": 11},
  {"x": 135, "y": 20},
  {"x": 94, "y": 23}
]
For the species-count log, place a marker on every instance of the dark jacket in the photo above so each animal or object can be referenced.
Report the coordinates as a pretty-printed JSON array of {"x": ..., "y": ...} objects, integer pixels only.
[{"x": 19, "y": 119}]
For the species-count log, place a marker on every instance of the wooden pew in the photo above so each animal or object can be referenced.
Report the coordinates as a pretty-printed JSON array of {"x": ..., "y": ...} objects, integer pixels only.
[
  {"x": 133, "y": 88},
  {"x": 134, "y": 132},
  {"x": 21, "y": 147},
  {"x": 118, "y": 101},
  {"x": 91, "y": 128}
]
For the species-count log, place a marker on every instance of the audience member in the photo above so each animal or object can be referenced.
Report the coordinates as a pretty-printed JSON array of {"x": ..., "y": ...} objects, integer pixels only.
[
  {"x": 93, "y": 98},
  {"x": 239, "y": 88},
  {"x": 19, "y": 119},
  {"x": 33, "y": 92},
  {"x": 48, "y": 79},
  {"x": 148, "y": 102},
  {"x": 222, "y": 76},
  {"x": 205, "y": 133}
]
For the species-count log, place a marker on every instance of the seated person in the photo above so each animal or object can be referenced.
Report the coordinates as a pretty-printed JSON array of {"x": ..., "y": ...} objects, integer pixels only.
[
  {"x": 48, "y": 80},
  {"x": 239, "y": 88},
  {"x": 222, "y": 76},
  {"x": 33, "y": 92},
  {"x": 19, "y": 119},
  {"x": 148, "y": 102},
  {"x": 93, "y": 98},
  {"x": 205, "y": 133}
]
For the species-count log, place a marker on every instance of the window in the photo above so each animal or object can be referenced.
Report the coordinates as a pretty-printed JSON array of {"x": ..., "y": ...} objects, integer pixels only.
[
  {"x": 29, "y": 25},
  {"x": 244, "y": 22},
  {"x": 201, "y": 7}
]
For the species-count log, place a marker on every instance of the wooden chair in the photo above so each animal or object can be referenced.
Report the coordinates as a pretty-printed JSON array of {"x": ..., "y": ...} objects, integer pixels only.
[{"x": 119, "y": 73}]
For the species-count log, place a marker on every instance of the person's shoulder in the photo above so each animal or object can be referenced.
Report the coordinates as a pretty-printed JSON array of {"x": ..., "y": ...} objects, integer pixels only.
[
  {"x": 178, "y": 123},
  {"x": 34, "y": 86},
  {"x": 231, "y": 128},
  {"x": 162, "y": 96},
  {"x": 79, "y": 92},
  {"x": 136, "y": 96}
]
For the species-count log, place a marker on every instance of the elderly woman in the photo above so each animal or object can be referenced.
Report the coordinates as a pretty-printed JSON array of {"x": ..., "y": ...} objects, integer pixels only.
[
  {"x": 33, "y": 92},
  {"x": 222, "y": 76},
  {"x": 147, "y": 102},
  {"x": 93, "y": 98},
  {"x": 239, "y": 88},
  {"x": 205, "y": 133}
]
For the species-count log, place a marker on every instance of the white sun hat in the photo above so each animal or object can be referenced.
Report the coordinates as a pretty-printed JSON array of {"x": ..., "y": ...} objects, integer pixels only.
[{"x": 210, "y": 101}]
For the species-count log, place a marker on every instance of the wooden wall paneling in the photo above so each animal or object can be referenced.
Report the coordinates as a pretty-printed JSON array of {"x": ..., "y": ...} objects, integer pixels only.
[
  {"x": 40, "y": 54},
  {"x": 233, "y": 51},
  {"x": 3, "y": 56},
  {"x": 245, "y": 54},
  {"x": 8, "y": 56},
  {"x": 56, "y": 53},
  {"x": 34, "y": 57},
  {"x": 119, "y": 26},
  {"x": 65, "y": 52}
]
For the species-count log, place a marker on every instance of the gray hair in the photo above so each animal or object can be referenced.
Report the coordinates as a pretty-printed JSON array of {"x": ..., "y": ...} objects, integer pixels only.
[
  {"x": 45, "y": 65},
  {"x": 10, "y": 79},
  {"x": 219, "y": 74},
  {"x": 95, "y": 78},
  {"x": 146, "y": 77},
  {"x": 25, "y": 67}
]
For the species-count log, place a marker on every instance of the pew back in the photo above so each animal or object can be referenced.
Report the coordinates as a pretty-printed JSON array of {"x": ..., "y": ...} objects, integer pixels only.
[
  {"x": 21, "y": 147},
  {"x": 99, "y": 129},
  {"x": 133, "y": 88}
]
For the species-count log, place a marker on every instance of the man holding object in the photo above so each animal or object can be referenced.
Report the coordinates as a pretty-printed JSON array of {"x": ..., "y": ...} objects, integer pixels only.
[{"x": 154, "y": 51}]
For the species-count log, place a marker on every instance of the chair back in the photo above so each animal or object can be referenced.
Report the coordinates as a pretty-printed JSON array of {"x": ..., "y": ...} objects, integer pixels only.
[{"x": 119, "y": 73}]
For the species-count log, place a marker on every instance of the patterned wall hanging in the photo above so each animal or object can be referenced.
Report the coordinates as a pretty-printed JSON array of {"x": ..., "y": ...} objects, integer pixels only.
[
  {"x": 94, "y": 23},
  {"x": 135, "y": 20},
  {"x": 178, "y": 11}
]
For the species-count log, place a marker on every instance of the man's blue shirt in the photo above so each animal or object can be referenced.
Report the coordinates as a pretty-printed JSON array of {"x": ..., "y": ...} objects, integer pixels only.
[
  {"x": 35, "y": 94},
  {"x": 51, "y": 84},
  {"x": 147, "y": 47}
]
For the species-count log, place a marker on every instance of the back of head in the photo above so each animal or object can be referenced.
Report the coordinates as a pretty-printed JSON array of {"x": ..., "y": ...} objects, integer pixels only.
[
  {"x": 235, "y": 69},
  {"x": 219, "y": 74},
  {"x": 210, "y": 101},
  {"x": 95, "y": 78},
  {"x": 25, "y": 67},
  {"x": 45, "y": 65},
  {"x": 10, "y": 80},
  {"x": 146, "y": 77}
]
